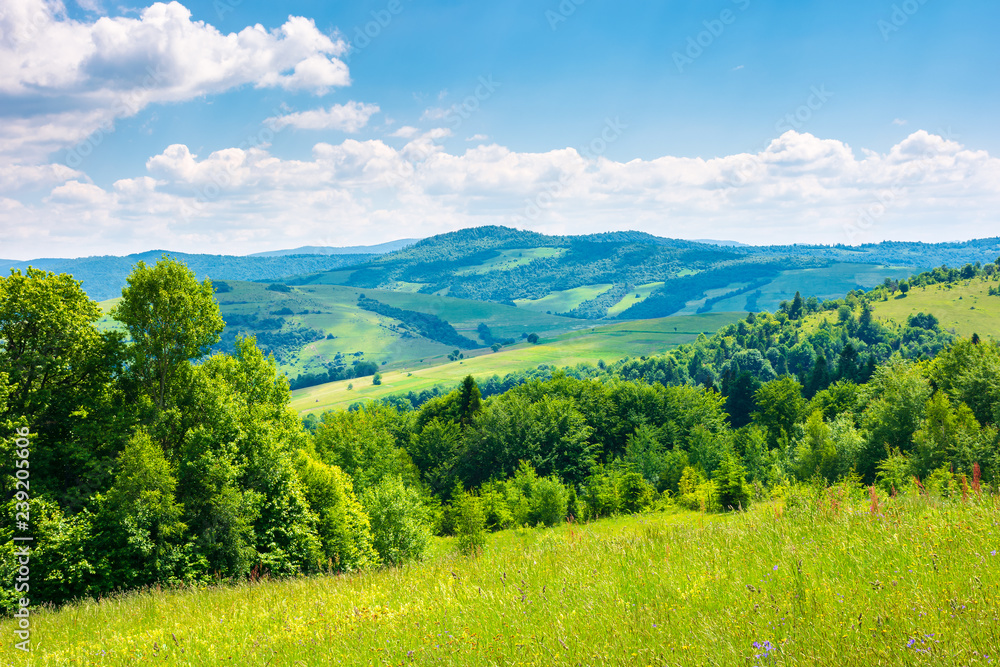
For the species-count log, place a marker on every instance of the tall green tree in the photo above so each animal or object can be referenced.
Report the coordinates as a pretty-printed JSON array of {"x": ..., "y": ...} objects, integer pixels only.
[
  {"x": 50, "y": 343},
  {"x": 779, "y": 406},
  {"x": 171, "y": 318},
  {"x": 469, "y": 400},
  {"x": 59, "y": 370}
]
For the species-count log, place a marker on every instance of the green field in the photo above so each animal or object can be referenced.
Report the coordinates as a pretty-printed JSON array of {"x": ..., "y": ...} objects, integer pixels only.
[
  {"x": 508, "y": 259},
  {"x": 637, "y": 295},
  {"x": 965, "y": 307},
  {"x": 609, "y": 342},
  {"x": 831, "y": 282},
  {"x": 332, "y": 311},
  {"x": 564, "y": 300},
  {"x": 325, "y": 278},
  {"x": 824, "y": 583}
]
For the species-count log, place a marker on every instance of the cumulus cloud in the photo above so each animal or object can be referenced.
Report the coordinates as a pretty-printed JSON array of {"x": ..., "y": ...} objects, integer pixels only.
[
  {"x": 19, "y": 178},
  {"x": 800, "y": 188},
  {"x": 405, "y": 132},
  {"x": 349, "y": 117},
  {"x": 80, "y": 76}
]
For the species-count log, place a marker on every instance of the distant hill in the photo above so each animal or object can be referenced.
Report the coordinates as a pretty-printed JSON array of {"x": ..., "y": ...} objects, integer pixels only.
[
  {"x": 718, "y": 242},
  {"x": 103, "y": 277},
  {"x": 379, "y": 249},
  {"x": 624, "y": 275},
  {"x": 631, "y": 275}
]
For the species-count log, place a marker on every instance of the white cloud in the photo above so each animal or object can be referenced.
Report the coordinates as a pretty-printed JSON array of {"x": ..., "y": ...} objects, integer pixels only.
[
  {"x": 349, "y": 117},
  {"x": 405, "y": 132},
  {"x": 799, "y": 189},
  {"x": 80, "y": 76},
  {"x": 434, "y": 113},
  {"x": 19, "y": 178},
  {"x": 899, "y": 121},
  {"x": 478, "y": 137}
]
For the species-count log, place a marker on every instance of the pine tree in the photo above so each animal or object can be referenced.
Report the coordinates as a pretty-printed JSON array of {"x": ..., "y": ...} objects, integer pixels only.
[{"x": 469, "y": 400}]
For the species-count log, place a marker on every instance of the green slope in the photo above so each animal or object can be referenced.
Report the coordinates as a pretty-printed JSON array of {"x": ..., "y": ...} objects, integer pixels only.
[
  {"x": 610, "y": 343},
  {"x": 563, "y": 301},
  {"x": 965, "y": 306},
  {"x": 831, "y": 282}
]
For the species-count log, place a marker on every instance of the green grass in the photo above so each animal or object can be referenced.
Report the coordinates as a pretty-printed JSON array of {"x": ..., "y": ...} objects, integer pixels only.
[
  {"x": 638, "y": 295},
  {"x": 965, "y": 307},
  {"x": 831, "y": 585},
  {"x": 565, "y": 300},
  {"x": 509, "y": 259},
  {"x": 326, "y": 277},
  {"x": 831, "y": 282},
  {"x": 609, "y": 342}
]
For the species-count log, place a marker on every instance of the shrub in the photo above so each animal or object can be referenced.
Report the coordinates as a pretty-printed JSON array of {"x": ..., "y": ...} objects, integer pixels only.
[
  {"x": 496, "y": 512},
  {"x": 548, "y": 501},
  {"x": 731, "y": 480},
  {"x": 635, "y": 493},
  {"x": 342, "y": 525},
  {"x": 399, "y": 522},
  {"x": 470, "y": 523}
]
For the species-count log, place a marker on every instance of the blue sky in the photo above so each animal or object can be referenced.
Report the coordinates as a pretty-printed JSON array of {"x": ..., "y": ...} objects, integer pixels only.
[{"x": 759, "y": 121}]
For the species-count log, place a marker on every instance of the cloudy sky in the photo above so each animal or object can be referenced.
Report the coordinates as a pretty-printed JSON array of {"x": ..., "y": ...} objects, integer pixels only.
[{"x": 236, "y": 126}]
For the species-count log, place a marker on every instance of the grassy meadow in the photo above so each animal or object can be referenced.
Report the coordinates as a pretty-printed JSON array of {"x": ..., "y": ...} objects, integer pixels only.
[
  {"x": 563, "y": 300},
  {"x": 638, "y": 295},
  {"x": 823, "y": 580},
  {"x": 609, "y": 342},
  {"x": 965, "y": 307},
  {"x": 830, "y": 282},
  {"x": 332, "y": 310}
]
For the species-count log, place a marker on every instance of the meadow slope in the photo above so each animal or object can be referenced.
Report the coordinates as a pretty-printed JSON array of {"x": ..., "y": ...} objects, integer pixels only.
[
  {"x": 817, "y": 579},
  {"x": 608, "y": 343},
  {"x": 966, "y": 307}
]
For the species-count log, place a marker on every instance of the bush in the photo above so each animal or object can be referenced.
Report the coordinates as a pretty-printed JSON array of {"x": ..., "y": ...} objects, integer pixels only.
[
  {"x": 342, "y": 525},
  {"x": 399, "y": 521},
  {"x": 731, "y": 484},
  {"x": 635, "y": 493},
  {"x": 496, "y": 512},
  {"x": 548, "y": 501},
  {"x": 600, "y": 495},
  {"x": 696, "y": 493},
  {"x": 470, "y": 523}
]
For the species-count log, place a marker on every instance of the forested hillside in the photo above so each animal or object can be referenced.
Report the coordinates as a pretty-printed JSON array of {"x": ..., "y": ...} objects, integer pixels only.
[
  {"x": 152, "y": 463},
  {"x": 507, "y": 265}
]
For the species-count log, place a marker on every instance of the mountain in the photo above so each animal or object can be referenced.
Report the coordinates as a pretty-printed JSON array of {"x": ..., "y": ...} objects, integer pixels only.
[
  {"x": 625, "y": 275},
  {"x": 631, "y": 275},
  {"x": 379, "y": 249},
  {"x": 718, "y": 242},
  {"x": 103, "y": 277}
]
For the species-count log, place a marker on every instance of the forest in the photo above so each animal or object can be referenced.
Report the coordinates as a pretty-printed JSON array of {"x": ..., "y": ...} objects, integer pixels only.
[{"x": 154, "y": 462}]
